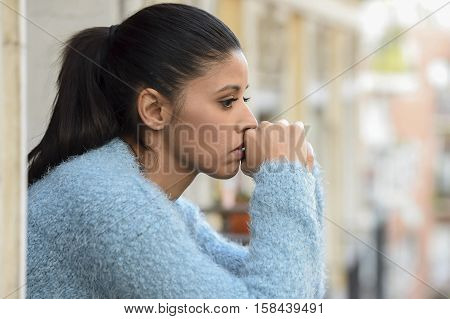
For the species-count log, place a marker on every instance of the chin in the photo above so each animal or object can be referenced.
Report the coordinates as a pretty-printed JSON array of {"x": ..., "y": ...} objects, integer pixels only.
[{"x": 224, "y": 172}]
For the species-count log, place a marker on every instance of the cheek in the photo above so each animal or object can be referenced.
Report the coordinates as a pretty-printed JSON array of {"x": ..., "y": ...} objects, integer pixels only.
[
  {"x": 215, "y": 141},
  {"x": 198, "y": 147},
  {"x": 209, "y": 154},
  {"x": 207, "y": 134},
  {"x": 204, "y": 136},
  {"x": 211, "y": 157}
]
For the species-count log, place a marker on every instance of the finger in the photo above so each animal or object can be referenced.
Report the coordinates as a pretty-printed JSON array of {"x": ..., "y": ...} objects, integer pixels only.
[
  {"x": 299, "y": 127},
  {"x": 249, "y": 135},
  {"x": 300, "y": 123},
  {"x": 283, "y": 122},
  {"x": 264, "y": 123},
  {"x": 310, "y": 157}
]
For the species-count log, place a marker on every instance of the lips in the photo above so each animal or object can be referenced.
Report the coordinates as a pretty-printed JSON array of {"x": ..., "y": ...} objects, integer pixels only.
[
  {"x": 239, "y": 147},
  {"x": 238, "y": 154}
]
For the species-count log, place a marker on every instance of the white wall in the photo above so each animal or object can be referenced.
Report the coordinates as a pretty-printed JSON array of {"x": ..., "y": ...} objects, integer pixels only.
[{"x": 50, "y": 22}]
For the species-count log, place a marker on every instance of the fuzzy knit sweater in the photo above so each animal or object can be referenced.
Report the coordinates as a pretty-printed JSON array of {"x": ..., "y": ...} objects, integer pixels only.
[{"x": 97, "y": 228}]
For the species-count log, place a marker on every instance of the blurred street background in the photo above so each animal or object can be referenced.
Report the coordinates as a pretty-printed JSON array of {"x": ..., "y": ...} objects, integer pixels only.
[{"x": 370, "y": 78}]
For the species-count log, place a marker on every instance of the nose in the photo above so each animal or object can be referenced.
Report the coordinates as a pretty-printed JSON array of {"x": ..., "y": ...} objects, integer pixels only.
[{"x": 246, "y": 120}]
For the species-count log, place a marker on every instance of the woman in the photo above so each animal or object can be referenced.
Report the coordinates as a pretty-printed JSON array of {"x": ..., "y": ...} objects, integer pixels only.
[{"x": 142, "y": 108}]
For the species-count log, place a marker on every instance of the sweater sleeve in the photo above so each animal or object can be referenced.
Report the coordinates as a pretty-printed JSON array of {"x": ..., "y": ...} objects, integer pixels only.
[
  {"x": 138, "y": 247},
  {"x": 227, "y": 253},
  {"x": 320, "y": 206}
]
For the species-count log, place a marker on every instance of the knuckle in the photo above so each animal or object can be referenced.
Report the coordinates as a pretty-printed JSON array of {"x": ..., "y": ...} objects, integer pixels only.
[
  {"x": 300, "y": 125},
  {"x": 250, "y": 133},
  {"x": 283, "y": 122}
]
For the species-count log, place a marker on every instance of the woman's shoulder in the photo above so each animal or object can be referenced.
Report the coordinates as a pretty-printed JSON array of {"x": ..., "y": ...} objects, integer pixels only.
[{"x": 107, "y": 174}]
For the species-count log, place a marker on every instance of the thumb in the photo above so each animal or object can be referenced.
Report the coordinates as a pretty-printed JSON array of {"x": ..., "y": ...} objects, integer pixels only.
[{"x": 244, "y": 168}]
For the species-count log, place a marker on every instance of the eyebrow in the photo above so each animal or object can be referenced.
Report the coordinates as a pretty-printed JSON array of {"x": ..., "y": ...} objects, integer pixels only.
[{"x": 233, "y": 87}]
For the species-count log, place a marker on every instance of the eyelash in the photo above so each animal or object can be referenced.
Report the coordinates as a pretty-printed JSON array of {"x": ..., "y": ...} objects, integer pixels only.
[{"x": 246, "y": 99}]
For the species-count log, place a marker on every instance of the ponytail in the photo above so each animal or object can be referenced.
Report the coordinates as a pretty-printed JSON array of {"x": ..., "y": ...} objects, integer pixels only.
[{"x": 82, "y": 118}]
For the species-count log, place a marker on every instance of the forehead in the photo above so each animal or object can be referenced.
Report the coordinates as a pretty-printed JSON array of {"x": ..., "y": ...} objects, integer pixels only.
[{"x": 233, "y": 70}]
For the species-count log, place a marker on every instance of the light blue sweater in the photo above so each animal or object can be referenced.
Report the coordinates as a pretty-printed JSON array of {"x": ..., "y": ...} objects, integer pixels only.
[{"x": 97, "y": 228}]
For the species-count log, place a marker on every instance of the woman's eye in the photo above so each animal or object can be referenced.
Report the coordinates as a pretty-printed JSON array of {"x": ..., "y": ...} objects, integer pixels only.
[{"x": 228, "y": 103}]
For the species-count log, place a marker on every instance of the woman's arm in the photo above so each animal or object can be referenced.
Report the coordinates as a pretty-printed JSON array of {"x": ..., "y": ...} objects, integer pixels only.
[
  {"x": 139, "y": 247},
  {"x": 222, "y": 250}
]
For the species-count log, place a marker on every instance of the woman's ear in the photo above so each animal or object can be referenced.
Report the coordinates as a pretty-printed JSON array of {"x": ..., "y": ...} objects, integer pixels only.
[{"x": 154, "y": 109}]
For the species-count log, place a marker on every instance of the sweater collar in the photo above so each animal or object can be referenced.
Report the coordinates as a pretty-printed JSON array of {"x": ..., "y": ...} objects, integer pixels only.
[{"x": 123, "y": 152}]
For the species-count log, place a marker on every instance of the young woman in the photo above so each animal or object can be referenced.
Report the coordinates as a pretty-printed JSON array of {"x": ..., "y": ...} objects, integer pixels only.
[{"x": 142, "y": 108}]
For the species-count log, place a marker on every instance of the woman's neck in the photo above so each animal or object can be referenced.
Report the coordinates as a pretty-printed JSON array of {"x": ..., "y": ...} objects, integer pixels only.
[{"x": 163, "y": 169}]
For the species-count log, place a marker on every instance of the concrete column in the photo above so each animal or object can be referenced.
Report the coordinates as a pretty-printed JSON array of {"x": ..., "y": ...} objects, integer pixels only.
[
  {"x": 230, "y": 12},
  {"x": 12, "y": 155},
  {"x": 293, "y": 69},
  {"x": 334, "y": 159}
]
